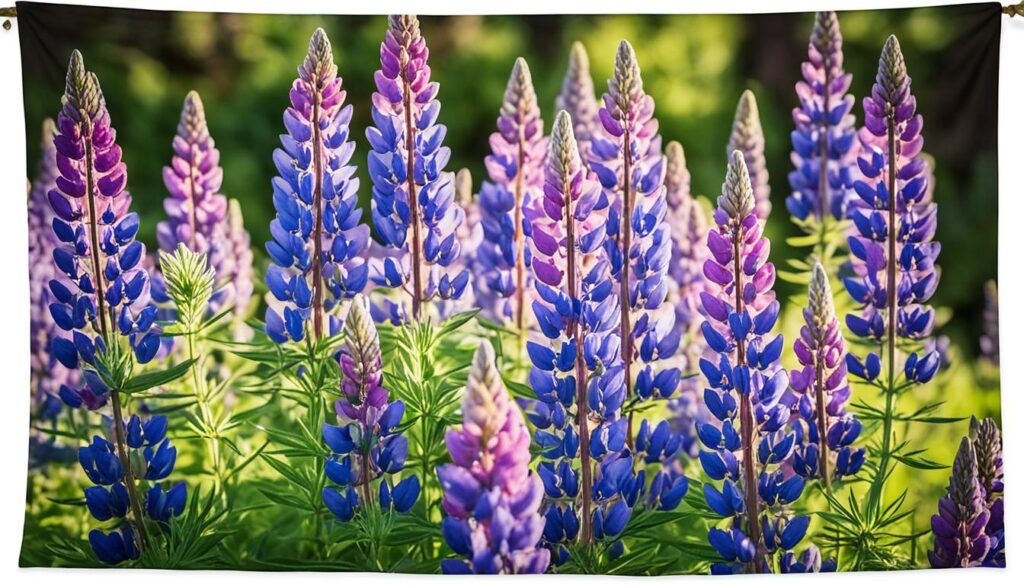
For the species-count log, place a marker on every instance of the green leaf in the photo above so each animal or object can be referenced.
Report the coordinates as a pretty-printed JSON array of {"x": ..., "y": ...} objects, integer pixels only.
[
  {"x": 919, "y": 463},
  {"x": 154, "y": 379},
  {"x": 457, "y": 320}
]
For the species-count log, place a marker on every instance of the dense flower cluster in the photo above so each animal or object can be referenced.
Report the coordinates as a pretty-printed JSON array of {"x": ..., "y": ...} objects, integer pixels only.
[
  {"x": 747, "y": 390},
  {"x": 828, "y": 430},
  {"x": 102, "y": 289},
  {"x": 411, "y": 189},
  {"x": 48, "y": 375},
  {"x": 198, "y": 214},
  {"x": 366, "y": 445},
  {"x": 510, "y": 201},
  {"x": 959, "y": 527},
  {"x": 317, "y": 240},
  {"x": 491, "y": 497},
  {"x": 107, "y": 500},
  {"x": 747, "y": 136},
  {"x": 893, "y": 254},
  {"x": 825, "y": 140},
  {"x": 577, "y": 98},
  {"x": 578, "y": 377}
]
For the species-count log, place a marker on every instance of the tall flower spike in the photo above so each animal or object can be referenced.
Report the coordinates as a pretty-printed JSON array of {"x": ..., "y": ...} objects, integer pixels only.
[
  {"x": 577, "y": 376},
  {"x": 492, "y": 499},
  {"x": 628, "y": 162},
  {"x": 959, "y": 527},
  {"x": 317, "y": 240},
  {"x": 747, "y": 390},
  {"x": 411, "y": 190},
  {"x": 988, "y": 448},
  {"x": 747, "y": 136},
  {"x": 510, "y": 201},
  {"x": 198, "y": 214},
  {"x": 827, "y": 433},
  {"x": 48, "y": 375},
  {"x": 824, "y": 141},
  {"x": 893, "y": 255},
  {"x": 366, "y": 445},
  {"x": 577, "y": 97}
]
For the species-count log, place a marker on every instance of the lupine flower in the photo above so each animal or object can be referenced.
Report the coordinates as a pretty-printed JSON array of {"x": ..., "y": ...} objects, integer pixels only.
[
  {"x": 988, "y": 449},
  {"x": 491, "y": 497},
  {"x": 893, "y": 254},
  {"x": 48, "y": 375},
  {"x": 470, "y": 235},
  {"x": 990, "y": 315},
  {"x": 366, "y": 445},
  {"x": 959, "y": 527},
  {"x": 411, "y": 190},
  {"x": 317, "y": 241},
  {"x": 828, "y": 431},
  {"x": 686, "y": 277},
  {"x": 628, "y": 162},
  {"x": 747, "y": 389},
  {"x": 577, "y": 98},
  {"x": 199, "y": 216},
  {"x": 152, "y": 453},
  {"x": 510, "y": 201},
  {"x": 102, "y": 290},
  {"x": 824, "y": 141},
  {"x": 747, "y": 136},
  {"x": 588, "y": 476}
]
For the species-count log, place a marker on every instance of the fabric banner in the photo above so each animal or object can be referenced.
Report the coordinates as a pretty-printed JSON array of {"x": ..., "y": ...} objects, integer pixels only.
[{"x": 444, "y": 294}]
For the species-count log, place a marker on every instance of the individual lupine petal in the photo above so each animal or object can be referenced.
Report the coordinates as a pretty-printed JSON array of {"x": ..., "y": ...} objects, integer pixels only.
[
  {"x": 577, "y": 97},
  {"x": 747, "y": 137},
  {"x": 413, "y": 197},
  {"x": 824, "y": 138},
  {"x": 491, "y": 496},
  {"x": 365, "y": 446},
  {"x": 317, "y": 240},
  {"x": 959, "y": 527}
]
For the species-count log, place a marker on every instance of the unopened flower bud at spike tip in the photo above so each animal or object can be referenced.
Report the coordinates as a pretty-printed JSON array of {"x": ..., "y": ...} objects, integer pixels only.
[
  {"x": 892, "y": 71},
  {"x": 747, "y": 136},
  {"x": 463, "y": 187},
  {"x": 820, "y": 296},
  {"x": 737, "y": 198}
]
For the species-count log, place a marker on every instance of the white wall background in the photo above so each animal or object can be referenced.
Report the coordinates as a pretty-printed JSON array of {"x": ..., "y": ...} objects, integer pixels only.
[{"x": 14, "y": 372}]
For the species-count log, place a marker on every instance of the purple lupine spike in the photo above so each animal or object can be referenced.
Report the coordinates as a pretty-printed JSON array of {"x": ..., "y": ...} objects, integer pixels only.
[
  {"x": 102, "y": 290},
  {"x": 824, "y": 142},
  {"x": 577, "y": 97},
  {"x": 747, "y": 389},
  {"x": 366, "y": 445},
  {"x": 577, "y": 376},
  {"x": 747, "y": 136},
  {"x": 628, "y": 162},
  {"x": 990, "y": 315},
  {"x": 828, "y": 431},
  {"x": 411, "y": 190},
  {"x": 48, "y": 374},
  {"x": 959, "y": 527},
  {"x": 317, "y": 240},
  {"x": 988, "y": 449},
  {"x": 490, "y": 471},
  {"x": 510, "y": 201},
  {"x": 198, "y": 214},
  {"x": 894, "y": 272}
]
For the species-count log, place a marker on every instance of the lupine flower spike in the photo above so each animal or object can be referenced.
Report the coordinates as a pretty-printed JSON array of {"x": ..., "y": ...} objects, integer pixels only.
[
  {"x": 988, "y": 449},
  {"x": 892, "y": 254},
  {"x": 48, "y": 374},
  {"x": 411, "y": 190},
  {"x": 103, "y": 290},
  {"x": 366, "y": 445},
  {"x": 828, "y": 431},
  {"x": 959, "y": 527},
  {"x": 628, "y": 162},
  {"x": 199, "y": 216},
  {"x": 317, "y": 240},
  {"x": 824, "y": 141},
  {"x": 510, "y": 201},
  {"x": 491, "y": 497},
  {"x": 747, "y": 391},
  {"x": 578, "y": 377},
  {"x": 747, "y": 136},
  {"x": 577, "y": 97}
]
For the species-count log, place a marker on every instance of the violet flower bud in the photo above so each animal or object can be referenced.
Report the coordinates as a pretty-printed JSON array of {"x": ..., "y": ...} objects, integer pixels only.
[
  {"x": 747, "y": 136},
  {"x": 959, "y": 527}
]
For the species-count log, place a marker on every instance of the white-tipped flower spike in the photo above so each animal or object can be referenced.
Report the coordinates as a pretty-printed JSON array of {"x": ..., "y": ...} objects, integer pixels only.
[
  {"x": 577, "y": 96},
  {"x": 819, "y": 302},
  {"x": 737, "y": 198},
  {"x": 747, "y": 136},
  {"x": 485, "y": 404},
  {"x": 464, "y": 188},
  {"x": 563, "y": 156}
]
